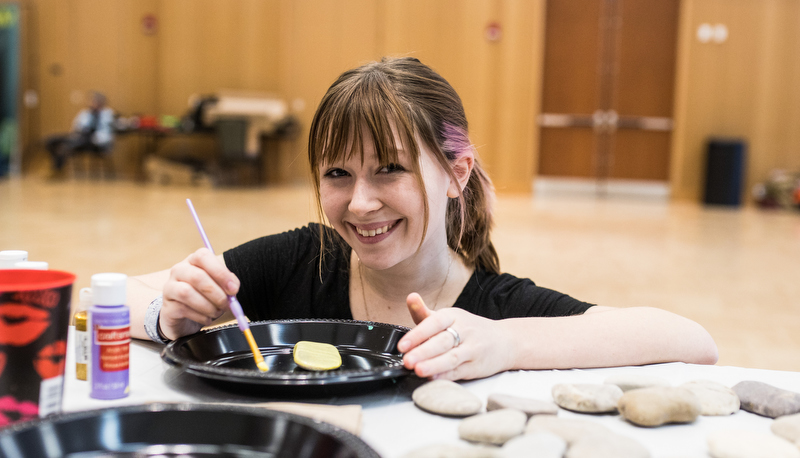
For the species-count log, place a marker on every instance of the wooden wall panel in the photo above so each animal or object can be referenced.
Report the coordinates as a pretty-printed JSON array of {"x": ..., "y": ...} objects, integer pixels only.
[
  {"x": 93, "y": 50},
  {"x": 297, "y": 48},
  {"x": 498, "y": 81},
  {"x": 260, "y": 45},
  {"x": 745, "y": 88},
  {"x": 318, "y": 41},
  {"x": 207, "y": 45},
  {"x": 776, "y": 129},
  {"x": 55, "y": 110},
  {"x": 179, "y": 54},
  {"x": 84, "y": 45},
  {"x": 519, "y": 89},
  {"x": 448, "y": 37},
  {"x": 137, "y": 52}
]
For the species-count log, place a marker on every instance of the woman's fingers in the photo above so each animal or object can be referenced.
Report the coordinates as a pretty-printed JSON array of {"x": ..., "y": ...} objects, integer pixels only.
[
  {"x": 178, "y": 315},
  {"x": 215, "y": 270},
  {"x": 429, "y": 348},
  {"x": 419, "y": 311},
  {"x": 430, "y": 325},
  {"x": 454, "y": 344},
  {"x": 437, "y": 345},
  {"x": 463, "y": 371},
  {"x": 193, "y": 305},
  {"x": 444, "y": 362},
  {"x": 204, "y": 274},
  {"x": 196, "y": 293}
]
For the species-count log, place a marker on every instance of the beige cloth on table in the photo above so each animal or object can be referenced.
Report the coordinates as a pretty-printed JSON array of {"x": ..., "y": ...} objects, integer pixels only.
[{"x": 347, "y": 417}]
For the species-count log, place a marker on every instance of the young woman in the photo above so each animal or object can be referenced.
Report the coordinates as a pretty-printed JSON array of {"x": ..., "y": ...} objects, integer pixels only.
[{"x": 406, "y": 211}]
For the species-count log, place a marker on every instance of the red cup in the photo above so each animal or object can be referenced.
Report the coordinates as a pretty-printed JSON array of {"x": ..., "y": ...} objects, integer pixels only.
[{"x": 34, "y": 322}]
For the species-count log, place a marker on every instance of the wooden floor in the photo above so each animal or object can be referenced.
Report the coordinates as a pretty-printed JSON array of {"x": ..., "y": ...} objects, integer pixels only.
[{"x": 733, "y": 271}]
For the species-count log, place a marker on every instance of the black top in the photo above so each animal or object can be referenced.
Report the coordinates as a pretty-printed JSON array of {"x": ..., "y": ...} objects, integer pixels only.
[{"x": 280, "y": 279}]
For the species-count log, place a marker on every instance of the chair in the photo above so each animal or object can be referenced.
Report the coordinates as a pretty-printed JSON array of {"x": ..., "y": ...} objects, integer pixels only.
[
  {"x": 234, "y": 166},
  {"x": 93, "y": 161}
]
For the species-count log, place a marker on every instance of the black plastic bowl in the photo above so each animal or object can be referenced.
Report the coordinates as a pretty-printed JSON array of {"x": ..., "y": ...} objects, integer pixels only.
[
  {"x": 369, "y": 356},
  {"x": 185, "y": 430}
]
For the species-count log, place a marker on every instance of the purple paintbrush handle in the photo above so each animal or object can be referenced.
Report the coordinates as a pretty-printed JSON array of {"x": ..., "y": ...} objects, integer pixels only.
[
  {"x": 236, "y": 308},
  {"x": 234, "y": 304}
]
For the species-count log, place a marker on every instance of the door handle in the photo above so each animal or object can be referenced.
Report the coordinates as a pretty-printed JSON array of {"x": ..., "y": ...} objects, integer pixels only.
[{"x": 603, "y": 121}]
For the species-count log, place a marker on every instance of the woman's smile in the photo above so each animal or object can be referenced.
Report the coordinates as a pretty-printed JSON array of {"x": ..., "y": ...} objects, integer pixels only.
[{"x": 375, "y": 232}]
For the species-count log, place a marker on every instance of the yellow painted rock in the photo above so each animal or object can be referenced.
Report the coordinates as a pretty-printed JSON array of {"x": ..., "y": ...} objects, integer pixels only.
[{"x": 316, "y": 356}]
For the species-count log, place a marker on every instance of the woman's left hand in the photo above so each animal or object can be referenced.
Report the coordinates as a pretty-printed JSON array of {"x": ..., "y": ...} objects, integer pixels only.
[{"x": 432, "y": 349}]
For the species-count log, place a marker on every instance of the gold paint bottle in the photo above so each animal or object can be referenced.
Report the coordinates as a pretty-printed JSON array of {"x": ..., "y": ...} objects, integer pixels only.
[{"x": 82, "y": 349}]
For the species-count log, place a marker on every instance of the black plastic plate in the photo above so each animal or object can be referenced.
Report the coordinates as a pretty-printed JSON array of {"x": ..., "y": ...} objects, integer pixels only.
[
  {"x": 185, "y": 430},
  {"x": 369, "y": 354}
]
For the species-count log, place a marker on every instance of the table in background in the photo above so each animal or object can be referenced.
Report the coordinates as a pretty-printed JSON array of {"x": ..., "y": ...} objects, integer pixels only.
[{"x": 393, "y": 426}]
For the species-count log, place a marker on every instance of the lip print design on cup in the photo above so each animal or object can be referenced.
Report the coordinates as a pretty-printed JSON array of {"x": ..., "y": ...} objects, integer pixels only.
[
  {"x": 13, "y": 411},
  {"x": 50, "y": 360},
  {"x": 26, "y": 318},
  {"x": 34, "y": 320},
  {"x": 22, "y": 324}
]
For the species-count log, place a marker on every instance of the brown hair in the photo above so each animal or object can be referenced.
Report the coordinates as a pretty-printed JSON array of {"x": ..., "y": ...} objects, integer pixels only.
[{"x": 405, "y": 94}]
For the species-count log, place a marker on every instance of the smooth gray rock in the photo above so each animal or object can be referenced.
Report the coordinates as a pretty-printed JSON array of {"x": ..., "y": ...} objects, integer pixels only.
[
  {"x": 749, "y": 444},
  {"x": 587, "y": 398},
  {"x": 764, "y": 399},
  {"x": 495, "y": 427},
  {"x": 659, "y": 405},
  {"x": 454, "y": 451},
  {"x": 530, "y": 406},
  {"x": 715, "y": 398},
  {"x": 569, "y": 429},
  {"x": 607, "y": 446},
  {"x": 627, "y": 382},
  {"x": 787, "y": 427},
  {"x": 448, "y": 398},
  {"x": 540, "y": 444}
]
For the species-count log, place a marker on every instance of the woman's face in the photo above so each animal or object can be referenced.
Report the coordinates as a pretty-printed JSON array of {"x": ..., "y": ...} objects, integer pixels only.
[{"x": 379, "y": 210}]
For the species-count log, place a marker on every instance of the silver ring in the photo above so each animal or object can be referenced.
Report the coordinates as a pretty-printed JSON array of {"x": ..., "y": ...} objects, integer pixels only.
[{"x": 456, "y": 337}]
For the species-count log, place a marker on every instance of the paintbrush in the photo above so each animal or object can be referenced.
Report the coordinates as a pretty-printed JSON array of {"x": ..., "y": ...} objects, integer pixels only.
[{"x": 235, "y": 306}]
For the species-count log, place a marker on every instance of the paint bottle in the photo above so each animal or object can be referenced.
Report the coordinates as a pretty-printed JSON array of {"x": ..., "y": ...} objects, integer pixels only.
[
  {"x": 10, "y": 257},
  {"x": 82, "y": 347},
  {"x": 110, "y": 328}
]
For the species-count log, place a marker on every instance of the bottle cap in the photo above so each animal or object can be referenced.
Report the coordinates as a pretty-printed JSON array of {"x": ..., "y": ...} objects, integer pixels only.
[
  {"x": 85, "y": 299},
  {"x": 10, "y": 257},
  {"x": 109, "y": 289},
  {"x": 32, "y": 265},
  {"x": 80, "y": 321}
]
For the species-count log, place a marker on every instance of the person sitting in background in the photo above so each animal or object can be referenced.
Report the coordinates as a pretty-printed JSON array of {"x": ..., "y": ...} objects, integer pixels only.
[{"x": 92, "y": 130}]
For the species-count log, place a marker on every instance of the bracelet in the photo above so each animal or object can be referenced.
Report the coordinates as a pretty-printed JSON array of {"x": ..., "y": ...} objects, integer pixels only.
[{"x": 151, "y": 321}]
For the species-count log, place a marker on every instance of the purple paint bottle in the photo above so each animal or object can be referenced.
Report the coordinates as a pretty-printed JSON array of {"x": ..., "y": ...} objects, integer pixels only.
[{"x": 110, "y": 327}]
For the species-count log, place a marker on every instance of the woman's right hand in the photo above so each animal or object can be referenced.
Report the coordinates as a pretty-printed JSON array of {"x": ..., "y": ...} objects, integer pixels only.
[{"x": 196, "y": 294}]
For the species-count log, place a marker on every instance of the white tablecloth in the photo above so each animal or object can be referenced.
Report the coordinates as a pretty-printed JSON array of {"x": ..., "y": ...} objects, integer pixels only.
[{"x": 393, "y": 426}]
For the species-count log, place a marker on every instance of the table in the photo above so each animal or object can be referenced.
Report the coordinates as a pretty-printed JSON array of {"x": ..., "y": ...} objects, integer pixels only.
[
  {"x": 393, "y": 426},
  {"x": 195, "y": 150}
]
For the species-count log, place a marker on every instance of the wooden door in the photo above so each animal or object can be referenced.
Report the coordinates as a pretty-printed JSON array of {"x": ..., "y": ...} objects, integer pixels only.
[{"x": 607, "y": 91}]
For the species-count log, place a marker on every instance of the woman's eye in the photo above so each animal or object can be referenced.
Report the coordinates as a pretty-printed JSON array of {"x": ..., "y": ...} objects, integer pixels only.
[
  {"x": 335, "y": 173},
  {"x": 390, "y": 168}
]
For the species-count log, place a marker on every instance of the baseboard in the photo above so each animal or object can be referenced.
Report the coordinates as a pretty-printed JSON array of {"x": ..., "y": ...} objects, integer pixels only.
[{"x": 551, "y": 186}]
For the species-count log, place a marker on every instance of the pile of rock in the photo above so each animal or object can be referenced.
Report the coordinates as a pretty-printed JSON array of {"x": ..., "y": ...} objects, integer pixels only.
[{"x": 515, "y": 426}]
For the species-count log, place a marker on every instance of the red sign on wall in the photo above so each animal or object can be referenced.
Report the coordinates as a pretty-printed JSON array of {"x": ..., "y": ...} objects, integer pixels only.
[
  {"x": 493, "y": 31},
  {"x": 149, "y": 24}
]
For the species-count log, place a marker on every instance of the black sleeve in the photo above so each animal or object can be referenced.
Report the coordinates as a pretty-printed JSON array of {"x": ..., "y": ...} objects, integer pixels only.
[
  {"x": 506, "y": 296},
  {"x": 280, "y": 277}
]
